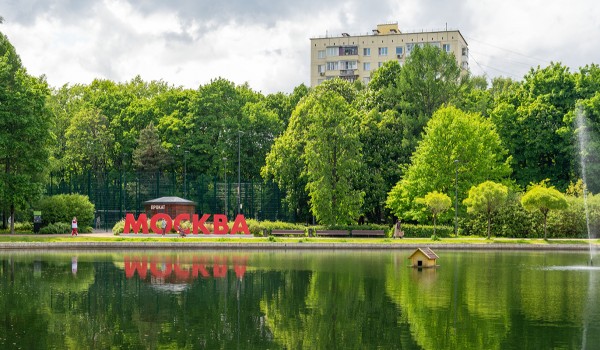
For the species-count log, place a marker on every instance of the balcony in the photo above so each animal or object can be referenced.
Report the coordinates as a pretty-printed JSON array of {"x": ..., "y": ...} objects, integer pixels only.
[{"x": 347, "y": 72}]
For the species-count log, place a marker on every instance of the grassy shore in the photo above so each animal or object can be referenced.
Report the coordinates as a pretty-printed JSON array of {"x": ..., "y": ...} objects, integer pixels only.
[{"x": 24, "y": 238}]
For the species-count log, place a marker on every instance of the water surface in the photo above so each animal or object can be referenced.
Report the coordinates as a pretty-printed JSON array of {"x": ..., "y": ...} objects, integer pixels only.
[{"x": 297, "y": 300}]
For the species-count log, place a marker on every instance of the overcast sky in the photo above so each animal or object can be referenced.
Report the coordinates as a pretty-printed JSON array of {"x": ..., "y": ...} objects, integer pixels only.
[{"x": 266, "y": 42}]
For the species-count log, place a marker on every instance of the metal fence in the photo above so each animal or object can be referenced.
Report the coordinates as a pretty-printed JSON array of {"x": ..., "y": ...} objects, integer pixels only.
[{"x": 117, "y": 193}]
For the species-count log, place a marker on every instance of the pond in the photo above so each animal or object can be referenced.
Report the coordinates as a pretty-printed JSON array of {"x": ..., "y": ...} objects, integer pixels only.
[{"x": 297, "y": 299}]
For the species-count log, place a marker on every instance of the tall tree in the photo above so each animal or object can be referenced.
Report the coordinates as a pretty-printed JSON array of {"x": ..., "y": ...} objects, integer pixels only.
[
  {"x": 318, "y": 155},
  {"x": 25, "y": 132},
  {"x": 149, "y": 155}
]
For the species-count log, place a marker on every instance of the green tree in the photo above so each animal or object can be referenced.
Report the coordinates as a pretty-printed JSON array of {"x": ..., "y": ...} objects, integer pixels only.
[
  {"x": 436, "y": 203},
  {"x": 316, "y": 159},
  {"x": 89, "y": 142},
  {"x": 486, "y": 198},
  {"x": 454, "y": 142},
  {"x": 25, "y": 133},
  {"x": 332, "y": 157},
  {"x": 542, "y": 198},
  {"x": 530, "y": 118},
  {"x": 150, "y": 155},
  {"x": 428, "y": 79}
]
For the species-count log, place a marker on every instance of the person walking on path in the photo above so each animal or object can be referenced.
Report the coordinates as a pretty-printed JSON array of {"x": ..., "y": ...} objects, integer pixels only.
[
  {"x": 163, "y": 226},
  {"x": 74, "y": 227}
]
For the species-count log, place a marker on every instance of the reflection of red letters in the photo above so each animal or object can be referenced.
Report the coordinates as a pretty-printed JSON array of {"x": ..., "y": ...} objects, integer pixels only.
[
  {"x": 165, "y": 267},
  {"x": 136, "y": 265},
  {"x": 239, "y": 225},
  {"x": 200, "y": 224},
  {"x": 219, "y": 267},
  {"x": 199, "y": 265},
  {"x": 220, "y": 224},
  {"x": 239, "y": 265},
  {"x": 131, "y": 222},
  {"x": 181, "y": 273},
  {"x": 163, "y": 272}
]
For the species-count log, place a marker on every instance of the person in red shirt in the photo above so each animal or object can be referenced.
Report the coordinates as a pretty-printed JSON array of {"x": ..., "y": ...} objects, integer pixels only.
[{"x": 74, "y": 227}]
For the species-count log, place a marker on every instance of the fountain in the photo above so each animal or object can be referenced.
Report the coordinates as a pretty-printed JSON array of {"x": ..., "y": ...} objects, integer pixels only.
[{"x": 583, "y": 143}]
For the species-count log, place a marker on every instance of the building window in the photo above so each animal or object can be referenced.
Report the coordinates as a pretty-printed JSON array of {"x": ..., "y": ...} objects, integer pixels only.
[
  {"x": 382, "y": 51},
  {"x": 333, "y": 51},
  {"x": 366, "y": 51},
  {"x": 321, "y": 68},
  {"x": 332, "y": 66},
  {"x": 379, "y": 64},
  {"x": 446, "y": 48},
  {"x": 348, "y": 50},
  {"x": 409, "y": 48},
  {"x": 465, "y": 51},
  {"x": 366, "y": 80},
  {"x": 366, "y": 66},
  {"x": 321, "y": 54},
  {"x": 399, "y": 51},
  {"x": 348, "y": 64}
]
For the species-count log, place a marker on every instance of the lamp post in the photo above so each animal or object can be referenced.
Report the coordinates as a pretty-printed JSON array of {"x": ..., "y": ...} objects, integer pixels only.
[
  {"x": 239, "y": 206},
  {"x": 225, "y": 179},
  {"x": 185, "y": 174},
  {"x": 456, "y": 198}
]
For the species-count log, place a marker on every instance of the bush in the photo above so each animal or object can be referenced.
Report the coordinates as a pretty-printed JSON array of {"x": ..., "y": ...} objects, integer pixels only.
[
  {"x": 63, "y": 207},
  {"x": 426, "y": 231},
  {"x": 258, "y": 227},
  {"x": 56, "y": 228}
]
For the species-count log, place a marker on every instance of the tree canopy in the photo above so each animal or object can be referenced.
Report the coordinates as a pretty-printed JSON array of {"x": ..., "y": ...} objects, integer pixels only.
[
  {"x": 458, "y": 149},
  {"x": 486, "y": 198},
  {"x": 543, "y": 199}
]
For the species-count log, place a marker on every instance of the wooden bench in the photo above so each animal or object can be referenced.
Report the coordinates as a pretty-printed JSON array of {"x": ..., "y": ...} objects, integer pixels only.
[
  {"x": 368, "y": 233},
  {"x": 331, "y": 233},
  {"x": 288, "y": 233}
]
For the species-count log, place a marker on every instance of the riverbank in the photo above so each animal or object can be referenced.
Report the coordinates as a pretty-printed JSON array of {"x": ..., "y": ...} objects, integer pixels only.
[{"x": 106, "y": 240}]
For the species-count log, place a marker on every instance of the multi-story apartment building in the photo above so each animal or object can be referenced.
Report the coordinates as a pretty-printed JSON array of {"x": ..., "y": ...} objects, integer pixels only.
[{"x": 354, "y": 57}]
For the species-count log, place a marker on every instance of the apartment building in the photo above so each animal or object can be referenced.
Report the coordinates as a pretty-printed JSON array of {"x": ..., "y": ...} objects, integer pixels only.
[{"x": 354, "y": 57}]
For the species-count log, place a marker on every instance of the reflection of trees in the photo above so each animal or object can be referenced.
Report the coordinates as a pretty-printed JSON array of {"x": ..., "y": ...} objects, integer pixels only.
[
  {"x": 333, "y": 301},
  {"x": 296, "y": 300}
]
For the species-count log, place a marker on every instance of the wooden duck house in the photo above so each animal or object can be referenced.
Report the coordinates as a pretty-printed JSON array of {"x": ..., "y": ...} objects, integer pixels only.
[{"x": 423, "y": 257}]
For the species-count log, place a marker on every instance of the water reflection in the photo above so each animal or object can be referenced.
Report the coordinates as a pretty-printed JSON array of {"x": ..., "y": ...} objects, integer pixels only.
[{"x": 296, "y": 300}]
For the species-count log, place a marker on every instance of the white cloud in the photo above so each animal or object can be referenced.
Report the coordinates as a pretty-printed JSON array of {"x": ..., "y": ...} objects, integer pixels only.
[{"x": 267, "y": 45}]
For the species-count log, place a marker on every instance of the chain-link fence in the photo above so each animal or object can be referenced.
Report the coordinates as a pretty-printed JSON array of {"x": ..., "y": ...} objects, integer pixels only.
[{"x": 117, "y": 193}]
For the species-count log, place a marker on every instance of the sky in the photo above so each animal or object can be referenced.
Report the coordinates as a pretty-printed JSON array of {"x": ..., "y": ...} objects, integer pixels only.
[{"x": 266, "y": 43}]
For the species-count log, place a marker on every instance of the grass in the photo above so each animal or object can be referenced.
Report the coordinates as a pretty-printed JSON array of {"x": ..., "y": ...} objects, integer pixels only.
[{"x": 316, "y": 240}]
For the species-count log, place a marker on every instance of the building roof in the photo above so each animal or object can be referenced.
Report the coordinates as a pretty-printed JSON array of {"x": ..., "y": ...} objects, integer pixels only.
[
  {"x": 169, "y": 200},
  {"x": 427, "y": 252}
]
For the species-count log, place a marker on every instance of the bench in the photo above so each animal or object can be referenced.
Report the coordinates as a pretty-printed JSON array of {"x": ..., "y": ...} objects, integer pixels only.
[
  {"x": 331, "y": 233},
  {"x": 368, "y": 233},
  {"x": 288, "y": 232}
]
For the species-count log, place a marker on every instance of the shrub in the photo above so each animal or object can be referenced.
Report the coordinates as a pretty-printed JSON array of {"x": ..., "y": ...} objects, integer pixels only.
[
  {"x": 426, "y": 231},
  {"x": 56, "y": 228},
  {"x": 63, "y": 207}
]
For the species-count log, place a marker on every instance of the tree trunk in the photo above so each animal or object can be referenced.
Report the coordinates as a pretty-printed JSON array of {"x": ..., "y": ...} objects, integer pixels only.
[
  {"x": 12, "y": 219},
  {"x": 545, "y": 233},
  {"x": 489, "y": 226},
  {"x": 434, "y": 226}
]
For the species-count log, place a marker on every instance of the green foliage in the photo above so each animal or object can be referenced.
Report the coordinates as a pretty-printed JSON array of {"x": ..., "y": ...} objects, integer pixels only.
[
  {"x": 425, "y": 231},
  {"x": 456, "y": 145},
  {"x": 510, "y": 220},
  {"x": 258, "y": 228},
  {"x": 486, "y": 198},
  {"x": 56, "y": 228},
  {"x": 436, "y": 203},
  {"x": 150, "y": 155},
  {"x": 543, "y": 199},
  {"x": 63, "y": 207},
  {"x": 25, "y": 132}
]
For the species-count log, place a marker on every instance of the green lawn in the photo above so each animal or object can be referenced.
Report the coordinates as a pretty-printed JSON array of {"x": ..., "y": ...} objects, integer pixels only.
[{"x": 246, "y": 239}]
